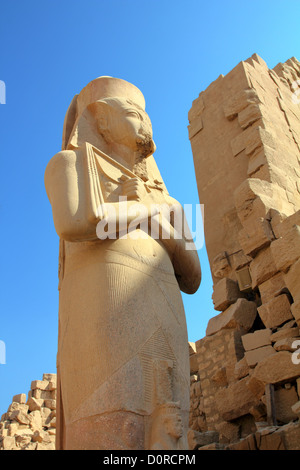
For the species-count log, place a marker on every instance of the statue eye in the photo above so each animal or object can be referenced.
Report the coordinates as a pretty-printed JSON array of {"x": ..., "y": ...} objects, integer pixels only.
[{"x": 133, "y": 114}]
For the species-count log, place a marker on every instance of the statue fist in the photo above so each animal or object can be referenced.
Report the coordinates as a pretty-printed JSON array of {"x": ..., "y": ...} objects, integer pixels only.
[{"x": 134, "y": 189}]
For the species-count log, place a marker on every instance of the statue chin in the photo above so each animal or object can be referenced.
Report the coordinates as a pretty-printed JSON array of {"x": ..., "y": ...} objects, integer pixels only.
[{"x": 146, "y": 146}]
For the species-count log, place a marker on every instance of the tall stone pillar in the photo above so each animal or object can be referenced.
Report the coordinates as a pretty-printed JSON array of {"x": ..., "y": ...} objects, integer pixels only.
[{"x": 244, "y": 131}]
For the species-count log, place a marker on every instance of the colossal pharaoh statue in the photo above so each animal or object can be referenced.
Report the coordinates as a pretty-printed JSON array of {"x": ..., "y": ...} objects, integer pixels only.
[{"x": 123, "y": 360}]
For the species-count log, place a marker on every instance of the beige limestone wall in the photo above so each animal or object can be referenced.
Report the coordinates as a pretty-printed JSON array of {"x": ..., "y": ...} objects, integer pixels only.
[
  {"x": 244, "y": 133},
  {"x": 245, "y": 137}
]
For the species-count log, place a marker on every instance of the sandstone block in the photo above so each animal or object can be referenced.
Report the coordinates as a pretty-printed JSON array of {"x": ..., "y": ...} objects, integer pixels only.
[
  {"x": 254, "y": 356},
  {"x": 52, "y": 385},
  {"x": 284, "y": 333},
  {"x": 257, "y": 237},
  {"x": 193, "y": 364},
  {"x": 42, "y": 394},
  {"x": 20, "y": 416},
  {"x": 259, "y": 413},
  {"x": 52, "y": 423},
  {"x": 275, "y": 369},
  {"x": 51, "y": 404},
  {"x": 39, "y": 384},
  {"x": 271, "y": 287},
  {"x": 12, "y": 428},
  {"x": 284, "y": 400},
  {"x": 276, "y": 312},
  {"x": 286, "y": 344},
  {"x": 50, "y": 377},
  {"x": 251, "y": 139},
  {"x": 292, "y": 279},
  {"x": 295, "y": 308},
  {"x": 35, "y": 404},
  {"x": 23, "y": 441},
  {"x": 235, "y": 400},
  {"x": 282, "y": 225},
  {"x": 248, "y": 443},
  {"x": 296, "y": 408},
  {"x": 240, "y": 315},
  {"x": 36, "y": 421},
  {"x": 291, "y": 436},
  {"x": 200, "y": 439},
  {"x": 269, "y": 441},
  {"x": 42, "y": 446},
  {"x": 21, "y": 398},
  {"x": 262, "y": 267},
  {"x": 286, "y": 250},
  {"x": 220, "y": 377},
  {"x": 228, "y": 432},
  {"x": 46, "y": 415},
  {"x": 235, "y": 104},
  {"x": 241, "y": 369},
  {"x": 9, "y": 443},
  {"x": 257, "y": 339},
  {"x": 249, "y": 115},
  {"x": 225, "y": 293}
]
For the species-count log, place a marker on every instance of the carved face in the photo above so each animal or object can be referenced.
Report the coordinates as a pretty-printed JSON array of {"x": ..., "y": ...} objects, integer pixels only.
[
  {"x": 124, "y": 123},
  {"x": 174, "y": 425}
]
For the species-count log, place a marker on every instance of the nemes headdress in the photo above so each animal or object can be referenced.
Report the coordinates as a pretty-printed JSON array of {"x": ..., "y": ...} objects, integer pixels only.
[{"x": 96, "y": 90}]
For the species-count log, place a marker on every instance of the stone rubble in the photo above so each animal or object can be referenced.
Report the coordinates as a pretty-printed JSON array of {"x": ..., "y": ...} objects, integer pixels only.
[{"x": 30, "y": 424}]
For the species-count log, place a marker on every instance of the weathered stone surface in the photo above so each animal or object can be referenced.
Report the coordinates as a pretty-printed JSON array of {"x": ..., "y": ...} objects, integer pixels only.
[
  {"x": 291, "y": 279},
  {"x": 254, "y": 240},
  {"x": 257, "y": 339},
  {"x": 251, "y": 197},
  {"x": 256, "y": 355},
  {"x": 9, "y": 443},
  {"x": 35, "y": 403},
  {"x": 277, "y": 368},
  {"x": 225, "y": 293},
  {"x": 21, "y": 398},
  {"x": 284, "y": 400},
  {"x": 296, "y": 408},
  {"x": 276, "y": 311},
  {"x": 284, "y": 333},
  {"x": 39, "y": 384},
  {"x": 235, "y": 400},
  {"x": 193, "y": 364},
  {"x": 240, "y": 315},
  {"x": 200, "y": 439},
  {"x": 248, "y": 443},
  {"x": 24, "y": 421},
  {"x": 271, "y": 287},
  {"x": 241, "y": 369},
  {"x": 269, "y": 441},
  {"x": 291, "y": 436},
  {"x": 286, "y": 344},
  {"x": 285, "y": 250},
  {"x": 262, "y": 267}
]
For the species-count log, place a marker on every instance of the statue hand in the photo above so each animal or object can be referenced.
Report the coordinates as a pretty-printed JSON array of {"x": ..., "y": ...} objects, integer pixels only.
[{"x": 134, "y": 189}]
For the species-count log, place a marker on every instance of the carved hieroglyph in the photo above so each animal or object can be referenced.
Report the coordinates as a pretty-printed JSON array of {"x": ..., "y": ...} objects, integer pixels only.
[{"x": 123, "y": 360}]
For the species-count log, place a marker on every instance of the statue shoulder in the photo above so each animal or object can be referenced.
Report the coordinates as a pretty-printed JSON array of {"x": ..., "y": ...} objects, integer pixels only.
[
  {"x": 60, "y": 164},
  {"x": 62, "y": 158}
]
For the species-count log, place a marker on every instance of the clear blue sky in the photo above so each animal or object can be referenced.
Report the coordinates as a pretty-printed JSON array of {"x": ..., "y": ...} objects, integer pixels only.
[{"x": 171, "y": 50}]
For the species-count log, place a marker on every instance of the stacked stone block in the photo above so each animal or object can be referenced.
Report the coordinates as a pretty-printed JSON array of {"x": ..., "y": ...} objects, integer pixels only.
[
  {"x": 31, "y": 424},
  {"x": 245, "y": 137}
]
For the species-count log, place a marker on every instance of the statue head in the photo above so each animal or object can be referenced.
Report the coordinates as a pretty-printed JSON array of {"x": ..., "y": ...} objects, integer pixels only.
[
  {"x": 167, "y": 421},
  {"x": 118, "y": 107},
  {"x": 122, "y": 121}
]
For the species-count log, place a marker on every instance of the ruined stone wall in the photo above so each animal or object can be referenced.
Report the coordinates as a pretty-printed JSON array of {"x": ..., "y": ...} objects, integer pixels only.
[{"x": 245, "y": 137}]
